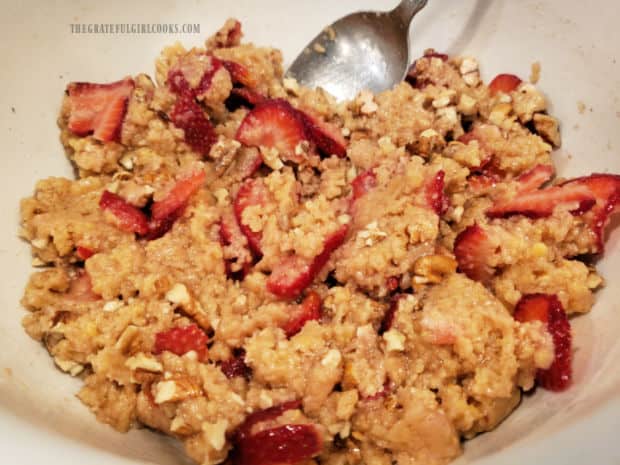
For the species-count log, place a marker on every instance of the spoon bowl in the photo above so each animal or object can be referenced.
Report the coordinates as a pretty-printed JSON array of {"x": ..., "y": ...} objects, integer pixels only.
[{"x": 365, "y": 50}]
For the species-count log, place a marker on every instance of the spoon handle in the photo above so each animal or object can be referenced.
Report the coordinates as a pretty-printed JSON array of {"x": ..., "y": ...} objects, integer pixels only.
[{"x": 407, "y": 9}]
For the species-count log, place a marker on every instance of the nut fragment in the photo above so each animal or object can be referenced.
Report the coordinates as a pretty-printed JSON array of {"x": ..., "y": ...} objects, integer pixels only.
[
  {"x": 429, "y": 141},
  {"x": 395, "y": 341},
  {"x": 69, "y": 366},
  {"x": 467, "y": 105},
  {"x": 332, "y": 358},
  {"x": 366, "y": 102},
  {"x": 39, "y": 243},
  {"x": 173, "y": 390},
  {"x": 433, "y": 268},
  {"x": 127, "y": 162},
  {"x": 216, "y": 433},
  {"x": 500, "y": 113},
  {"x": 291, "y": 85},
  {"x": 178, "y": 294},
  {"x": 470, "y": 72},
  {"x": 143, "y": 362},
  {"x": 112, "y": 305}
]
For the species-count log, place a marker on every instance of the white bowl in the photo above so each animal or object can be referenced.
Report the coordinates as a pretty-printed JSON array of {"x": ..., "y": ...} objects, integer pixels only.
[{"x": 577, "y": 44}]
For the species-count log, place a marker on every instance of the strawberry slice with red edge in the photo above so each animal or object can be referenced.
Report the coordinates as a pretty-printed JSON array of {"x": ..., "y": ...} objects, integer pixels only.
[
  {"x": 181, "y": 340},
  {"x": 482, "y": 181},
  {"x": 541, "y": 203},
  {"x": 273, "y": 124},
  {"x": 130, "y": 218},
  {"x": 293, "y": 274},
  {"x": 179, "y": 195},
  {"x": 327, "y": 137},
  {"x": 287, "y": 444},
  {"x": 167, "y": 211},
  {"x": 251, "y": 193},
  {"x": 549, "y": 310},
  {"x": 535, "y": 177},
  {"x": 605, "y": 188},
  {"x": 177, "y": 76},
  {"x": 245, "y": 429},
  {"x": 239, "y": 74},
  {"x": 99, "y": 109},
  {"x": 198, "y": 132},
  {"x": 308, "y": 310},
  {"x": 472, "y": 249},
  {"x": 159, "y": 227},
  {"x": 434, "y": 194},
  {"x": 504, "y": 83}
]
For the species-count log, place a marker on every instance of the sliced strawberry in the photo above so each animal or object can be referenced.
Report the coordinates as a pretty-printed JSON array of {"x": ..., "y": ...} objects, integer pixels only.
[
  {"x": 363, "y": 183},
  {"x": 179, "y": 195},
  {"x": 198, "y": 131},
  {"x": 605, "y": 188},
  {"x": 273, "y": 124},
  {"x": 549, "y": 310},
  {"x": 237, "y": 253},
  {"x": 504, "y": 83},
  {"x": 471, "y": 249},
  {"x": 327, "y": 137},
  {"x": 308, "y": 310},
  {"x": 293, "y": 274},
  {"x": 160, "y": 226},
  {"x": 251, "y": 193},
  {"x": 236, "y": 366},
  {"x": 245, "y": 429},
  {"x": 535, "y": 177},
  {"x": 541, "y": 203},
  {"x": 99, "y": 109},
  {"x": 239, "y": 74},
  {"x": 177, "y": 78},
  {"x": 181, "y": 340},
  {"x": 288, "y": 444},
  {"x": 435, "y": 197},
  {"x": 130, "y": 218},
  {"x": 243, "y": 97},
  {"x": 482, "y": 181},
  {"x": 84, "y": 253}
]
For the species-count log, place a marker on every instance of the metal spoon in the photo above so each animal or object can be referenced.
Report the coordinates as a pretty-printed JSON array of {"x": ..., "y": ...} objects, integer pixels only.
[{"x": 365, "y": 50}]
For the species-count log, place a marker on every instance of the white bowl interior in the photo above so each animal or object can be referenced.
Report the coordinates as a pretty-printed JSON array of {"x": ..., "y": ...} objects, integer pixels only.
[{"x": 577, "y": 45}]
